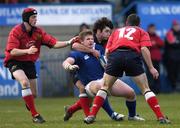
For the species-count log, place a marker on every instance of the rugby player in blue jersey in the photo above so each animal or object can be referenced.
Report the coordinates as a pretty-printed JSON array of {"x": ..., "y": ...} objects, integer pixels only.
[{"x": 89, "y": 69}]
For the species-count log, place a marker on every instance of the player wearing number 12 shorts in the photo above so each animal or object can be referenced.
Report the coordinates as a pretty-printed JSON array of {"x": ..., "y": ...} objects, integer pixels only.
[{"x": 124, "y": 49}]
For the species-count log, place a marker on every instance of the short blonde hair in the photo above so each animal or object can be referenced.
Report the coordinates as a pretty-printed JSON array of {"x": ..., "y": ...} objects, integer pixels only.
[{"x": 84, "y": 33}]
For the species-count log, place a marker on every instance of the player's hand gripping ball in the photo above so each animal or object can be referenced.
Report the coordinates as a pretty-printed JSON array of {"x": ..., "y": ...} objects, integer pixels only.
[{"x": 103, "y": 61}]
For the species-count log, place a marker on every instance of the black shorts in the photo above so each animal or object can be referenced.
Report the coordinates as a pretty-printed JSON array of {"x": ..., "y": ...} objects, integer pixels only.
[
  {"x": 127, "y": 61},
  {"x": 27, "y": 66}
]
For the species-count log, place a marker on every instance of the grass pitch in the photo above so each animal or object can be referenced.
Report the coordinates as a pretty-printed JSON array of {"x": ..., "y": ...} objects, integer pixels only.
[{"x": 13, "y": 114}]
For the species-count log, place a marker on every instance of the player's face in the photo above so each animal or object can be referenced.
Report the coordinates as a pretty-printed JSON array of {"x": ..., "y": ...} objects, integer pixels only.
[
  {"x": 88, "y": 41},
  {"x": 33, "y": 20},
  {"x": 106, "y": 32},
  {"x": 152, "y": 30},
  {"x": 176, "y": 27}
]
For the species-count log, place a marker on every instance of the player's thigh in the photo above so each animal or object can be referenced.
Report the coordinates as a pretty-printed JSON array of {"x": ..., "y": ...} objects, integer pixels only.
[
  {"x": 17, "y": 72},
  {"x": 142, "y": 82},
  {"x": 33, "y": 86},
  {"x": 30, "y": 70},
  {"x": 122, "y": 89},
  {"x": 114, "y": 65},
  {"x": 133, "y": 65},
  {"x": 108, "y": 81}
]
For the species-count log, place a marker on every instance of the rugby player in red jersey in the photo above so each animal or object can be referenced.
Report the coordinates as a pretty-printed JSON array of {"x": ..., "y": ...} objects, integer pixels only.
[
  {"x": 22, "y": 51},
  {"x": 102, "y": 30},
  {"x": 123, "y": 50}
]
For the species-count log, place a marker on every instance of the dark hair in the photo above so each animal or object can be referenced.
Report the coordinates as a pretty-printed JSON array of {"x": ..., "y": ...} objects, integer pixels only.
[
  {"x": 133, "y": 20},
  {"x": 84, "y": 33},
  {"x": 102, "y": 23},
  {"x": 151, "y": 25},
  {"x": 83, "y": 25}
]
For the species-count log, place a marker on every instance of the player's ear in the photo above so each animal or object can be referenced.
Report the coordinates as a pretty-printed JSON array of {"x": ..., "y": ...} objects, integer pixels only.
[{"x": 80, "y": 40}]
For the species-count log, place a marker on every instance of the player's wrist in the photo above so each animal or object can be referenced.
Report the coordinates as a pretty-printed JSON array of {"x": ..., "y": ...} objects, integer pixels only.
[
  {"x": 26, "y": 51},
  {"x": 67, "y": 66},
  {"x": 151, "y": 67},
  {"x": 68, "y": 42},
  {"x": 91, "y": 51}
]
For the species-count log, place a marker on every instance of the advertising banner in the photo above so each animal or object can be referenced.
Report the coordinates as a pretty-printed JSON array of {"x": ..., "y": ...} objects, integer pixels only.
[
  {"x": 11, "y": 14},
  {"x": 160, "y": 14},
  {"x": 8, "y": 88},
  {"x": 73, "y": 14}
]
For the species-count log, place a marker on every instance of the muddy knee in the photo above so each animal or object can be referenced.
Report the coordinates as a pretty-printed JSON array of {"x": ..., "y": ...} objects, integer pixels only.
[{"x": 132, "y": 95}]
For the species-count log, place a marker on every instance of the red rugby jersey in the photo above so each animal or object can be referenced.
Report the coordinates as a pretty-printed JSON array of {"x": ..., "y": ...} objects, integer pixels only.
[
  {"x": 19, "y": 38},
  {"x": 132, "y": 37}
]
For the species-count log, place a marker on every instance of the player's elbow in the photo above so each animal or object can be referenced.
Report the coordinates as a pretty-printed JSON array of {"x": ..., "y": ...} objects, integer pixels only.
[
  {"x": 13, "y": 52},
  {"x": 75, "y": 46}
]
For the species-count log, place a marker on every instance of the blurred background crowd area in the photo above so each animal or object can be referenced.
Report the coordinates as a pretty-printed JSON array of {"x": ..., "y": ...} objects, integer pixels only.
[{"x": 54, "y": 80}]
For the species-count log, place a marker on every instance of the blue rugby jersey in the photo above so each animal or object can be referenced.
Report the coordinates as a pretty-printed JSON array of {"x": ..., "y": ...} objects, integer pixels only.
[{"x": 89, "y": 66}]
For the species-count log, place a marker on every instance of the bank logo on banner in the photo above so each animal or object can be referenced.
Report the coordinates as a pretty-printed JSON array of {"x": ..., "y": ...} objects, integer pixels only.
[
  {"x": 159, "y": 13},
  {"x": 73, "y": 14},
  {"x": 8, "y": 88}
]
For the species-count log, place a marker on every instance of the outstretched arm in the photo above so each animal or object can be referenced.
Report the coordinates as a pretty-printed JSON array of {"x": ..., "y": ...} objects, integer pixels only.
[{"x": 62, "y": 44}]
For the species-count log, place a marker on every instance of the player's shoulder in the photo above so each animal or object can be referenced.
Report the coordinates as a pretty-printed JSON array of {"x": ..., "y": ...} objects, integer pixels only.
[
  {"x": 17, "y": 30},
  {"x": 140, "y": 29},
  {"x": 75, "y": 52}
]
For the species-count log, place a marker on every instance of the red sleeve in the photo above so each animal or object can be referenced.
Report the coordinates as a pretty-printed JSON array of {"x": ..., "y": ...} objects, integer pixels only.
[
  {"x": 160, "y": 42},
  {"x": 110, "y": 41},
  {"x": 145, "y": 39},
  {"x": 13, "y": 41},
  {"x": 170, "y": 37},
  {"x": 48, "y": 40}
]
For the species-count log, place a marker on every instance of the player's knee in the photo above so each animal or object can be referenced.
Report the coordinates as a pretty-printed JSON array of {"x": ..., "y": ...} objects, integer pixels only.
[
  {"x": 96, "y": 89},
  {"x": 132, "y": 95},
  {"x": 24, "y": 83},
  {"x": 89, "y": 91}
]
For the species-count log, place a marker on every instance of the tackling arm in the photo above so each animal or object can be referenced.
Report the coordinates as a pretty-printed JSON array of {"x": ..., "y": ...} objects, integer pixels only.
[
  {"x": 82, "y": 48},
  {"x": 62, "y": 44}
]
